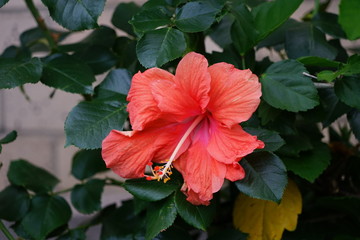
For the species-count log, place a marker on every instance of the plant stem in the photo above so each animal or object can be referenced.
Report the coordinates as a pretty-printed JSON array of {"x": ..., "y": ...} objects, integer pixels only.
[
  {"x": 41, "y": 23},
  {"x": 63, "y": 191},
  {"x": 243, "y": 64},
  {"x": 5, "y": 231},
  {"x": 111, "y": 181}
]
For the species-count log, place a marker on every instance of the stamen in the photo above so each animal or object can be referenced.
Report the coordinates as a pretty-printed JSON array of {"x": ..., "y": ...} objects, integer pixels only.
[{"x": 166, "y": 170}]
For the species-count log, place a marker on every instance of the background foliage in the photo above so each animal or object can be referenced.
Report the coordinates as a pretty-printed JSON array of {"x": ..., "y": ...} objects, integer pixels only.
[{"x": 314, "y": 82}]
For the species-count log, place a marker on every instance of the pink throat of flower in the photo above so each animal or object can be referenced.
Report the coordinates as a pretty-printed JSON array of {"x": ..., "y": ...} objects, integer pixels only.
[{"x": 164, "y": 172}]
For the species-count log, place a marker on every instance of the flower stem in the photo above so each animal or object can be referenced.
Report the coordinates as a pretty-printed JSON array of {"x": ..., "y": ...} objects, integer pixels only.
[
  {"x": 41, "y": 23},
  {"x": 63, "y": 191},
  {"x": 243, "y": 64},
  {"x": 6, "y": 231}
]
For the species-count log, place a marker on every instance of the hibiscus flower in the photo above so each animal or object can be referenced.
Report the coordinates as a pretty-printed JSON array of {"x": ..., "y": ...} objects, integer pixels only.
[{"x": 189, "y": 121}]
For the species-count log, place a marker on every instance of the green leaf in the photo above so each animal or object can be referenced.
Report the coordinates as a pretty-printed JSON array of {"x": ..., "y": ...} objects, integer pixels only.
[
  {"x": 285, "y": 87},
  {"x": 265, "y": 178},
  {"x": 46, "y": 214},
  {"x": 15, "y": 202},
  {"x": 10, "y": 137},
  {"x": 270, "y": 15},
  {"x": 327, "y": 75},
  {"x": 318, "y": 62},
  {"x": 125, "y": 48},
  {"x": 159, "y": 217},
  {"x": 115, "y": 85},
  {"x": 68, "y": 74},
  {"x": 86, "y": 198},
  {"x": 150, "y": 190},
  {"x": 22, "y": 173},
  {"x": 123, "y": 14},
  {"x": 243, "y": 32},
  {"x": 348, "y": 16},
  {"x": 3, "y": 2},
  {"x": 351, "y": 67},
  {"x": 89, "y": 123},
  {"x": 328, "y": 23},
  {"x": 75, "y": 15},
  {"x": 354, "y": 121},
  {"x": 75, "y": 234},
  {"x": 348, "y": 90},
  {"x": 306, "y": 40},
  {"x": 272, "y": 139},
  {"x": 332, "y": 105},
  {"x": 155, "y": 48},
  {"x": 310, "y": 164},
  {"x": 150, "y": 19},
  {"x": 86, "y": 163},
  {"x": 99, "y": 59},
  {"x": 195, "y": 16},
  {"x": 15, "y": 72},
  {"x": 197, "y": 216}
]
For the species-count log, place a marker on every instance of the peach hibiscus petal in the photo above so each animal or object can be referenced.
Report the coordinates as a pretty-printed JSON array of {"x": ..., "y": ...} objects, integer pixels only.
[
  {"x": 234, "y": 95},
  {"x": 227, "y": 145},
  {"x": 142, "y": 106},
  {"x": 192, "y": 77},
  {"x": 234, "y": 172}
]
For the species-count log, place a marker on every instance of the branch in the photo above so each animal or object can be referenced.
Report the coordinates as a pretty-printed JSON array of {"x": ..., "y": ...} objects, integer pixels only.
[
  {"x": 41, "y": 23},
  {"x": 5, "y": 231}
]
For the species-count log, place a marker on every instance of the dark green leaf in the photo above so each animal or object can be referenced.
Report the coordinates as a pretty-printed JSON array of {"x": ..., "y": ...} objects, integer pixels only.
[
  {"x": 22, "y": 173},
  {"x": 267, "y": 113},
  {"x": 310, "y": 164},
  {"x": 45, "y": 215},
  {"x": 86, "y": 198},
  {"x": 116, "y": 84},
  {"x": 123, "y": 224},
  {"x": 295, "y": 144},
  {"x": 197, "y": 216},
  {"x": 89, "y": 123},
  {"x": 328, "y": 23},
  {"x": 354, "y": 121},
  {"x": 150, "y": 190},
  {"x": 3, "y": 2},
  {"x": 123, "y": 14},
  {"x": 173, "y": 233},
  {"x": 265, "y": 177},
  {"x": 270, "y": 15},
  {"x": 99, "y": 59},
  {"x": 15, "y": 202},
  {"x": 243, "y": 32},
  {"x": 348, "y": 16},
  {"x": 228, "y": 234},
  {"x": 306, "y": 40},
  {"x": 75, "y": 15},
  {"x": 352, "y": 66},
  {"x": 221, "y": 32},
  {"x": 284, "y": 86},
  {"x": 75, "y": 234},
  {"x": 68, "y": 74},
  {"x": 272, "y": 139},
  {"x": 15, "y": 72},
  {"x": 158, "y": 47},
  {"x": 318, "y": 62},
  {"x": 195, "y": 16},
  {"x": 125, "y": 48},
  {"x": 10, "y": 137},
  {"x": 332, "y": 105},
  {"x": 19, "y": 53},
  {"x": 86, "y": 163},
  {"x": 348, "y": 90},
  {"x": 150, "y": 19},
  {"x": 160, "y": 216}
]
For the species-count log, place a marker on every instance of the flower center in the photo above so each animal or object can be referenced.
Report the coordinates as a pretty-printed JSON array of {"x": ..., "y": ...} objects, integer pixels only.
[{"x": 164, "y": 172}]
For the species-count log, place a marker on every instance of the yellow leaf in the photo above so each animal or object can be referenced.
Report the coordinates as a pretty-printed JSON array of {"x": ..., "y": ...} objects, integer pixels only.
[{"x": 266, "y": 220}]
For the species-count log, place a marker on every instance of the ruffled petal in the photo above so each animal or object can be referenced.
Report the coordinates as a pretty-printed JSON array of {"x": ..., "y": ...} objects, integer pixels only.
[
  {"x": 227, "y": 145},
  {"x": 202, "y": 174},
  {"x": 234, "y": 95},
  {"x": 128, "y": 153},
  {"x": 234, "y": 172},
  {"x": 142, "y": 106},
  {"x": 187, "y": 95}
]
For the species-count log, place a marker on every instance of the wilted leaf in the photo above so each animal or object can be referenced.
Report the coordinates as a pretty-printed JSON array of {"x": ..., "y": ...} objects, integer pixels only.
[{"x": 265, "y": 220}]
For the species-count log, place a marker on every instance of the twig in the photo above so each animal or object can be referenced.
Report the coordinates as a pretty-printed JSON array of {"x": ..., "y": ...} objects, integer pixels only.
[
  {"x": 318, "y": 84},
  {"x": 6, "y": 231},
  {"x": 41, "y": 23}
]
